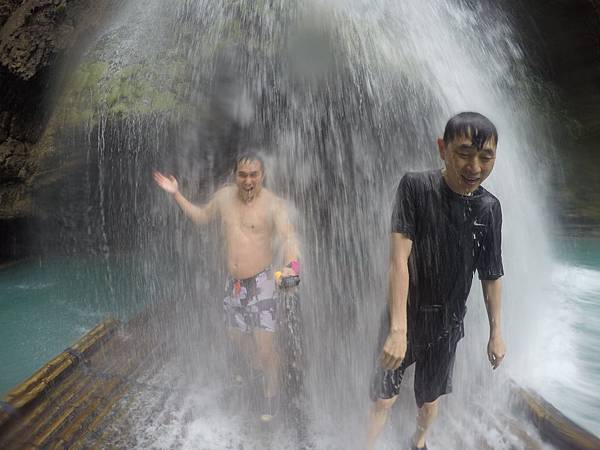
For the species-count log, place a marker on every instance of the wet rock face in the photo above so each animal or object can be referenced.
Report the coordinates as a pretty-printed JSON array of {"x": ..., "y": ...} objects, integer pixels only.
[
  {"x": 561, "y": 38},
  {"x": 7, "y": 7},
  {"x": 35, "y": 35},
  {"x": 562, "y": 41},
  {"x": 36, "y": 32}
]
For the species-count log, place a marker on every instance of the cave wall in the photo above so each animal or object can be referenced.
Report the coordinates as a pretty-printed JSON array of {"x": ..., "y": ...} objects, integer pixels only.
[
  {"x": 561, "y": 39},
  {"x": 36, "y": 36}
]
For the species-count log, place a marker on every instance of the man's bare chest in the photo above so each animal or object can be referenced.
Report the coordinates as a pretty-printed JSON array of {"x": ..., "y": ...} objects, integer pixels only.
[{"x": 250, "y": 220}]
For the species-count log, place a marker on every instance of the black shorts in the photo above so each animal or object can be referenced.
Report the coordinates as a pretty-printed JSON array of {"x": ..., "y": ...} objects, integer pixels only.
[{"x": 433, "y": 370}]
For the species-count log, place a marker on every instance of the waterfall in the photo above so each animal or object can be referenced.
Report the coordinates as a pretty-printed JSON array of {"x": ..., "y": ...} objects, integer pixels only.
[{"x": 342, "y": 97}]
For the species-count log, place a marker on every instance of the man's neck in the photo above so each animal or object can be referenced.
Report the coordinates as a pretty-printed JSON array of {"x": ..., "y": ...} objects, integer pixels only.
[
  {"x": 459, "y": 192},
  {"x": 247, "y": 200}
]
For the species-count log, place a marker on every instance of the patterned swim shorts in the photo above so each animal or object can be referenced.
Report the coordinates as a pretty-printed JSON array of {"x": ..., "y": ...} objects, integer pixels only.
[{"x": 251, "y": 303}]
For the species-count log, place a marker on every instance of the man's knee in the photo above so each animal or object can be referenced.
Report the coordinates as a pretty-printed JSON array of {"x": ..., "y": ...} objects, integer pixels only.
[
  {"x": 267, "y": 355},
  {"x": 429, "y": 409},
  {"x": 382, "y": 405},
  {"x": 267, "y": 352}
]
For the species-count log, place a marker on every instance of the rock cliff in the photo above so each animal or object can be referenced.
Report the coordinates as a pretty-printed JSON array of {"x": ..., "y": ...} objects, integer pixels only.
[
  {"x": 35, "y": 38},
  {"x": 561, "y": 39}
]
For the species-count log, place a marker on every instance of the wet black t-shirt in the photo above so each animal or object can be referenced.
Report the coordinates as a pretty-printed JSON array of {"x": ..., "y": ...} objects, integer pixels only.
[{"x": 453, "y": 235}]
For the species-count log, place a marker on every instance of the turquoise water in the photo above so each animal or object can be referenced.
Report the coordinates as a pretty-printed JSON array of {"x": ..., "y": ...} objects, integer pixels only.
[
  {"x": 581, "y": 252},
  {"x": 47, "y": 305},
  {"x": 573, "y": 377}
]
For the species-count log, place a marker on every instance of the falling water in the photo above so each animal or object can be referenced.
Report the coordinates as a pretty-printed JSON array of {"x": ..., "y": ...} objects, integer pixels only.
[{"x": 342, "y": 98}]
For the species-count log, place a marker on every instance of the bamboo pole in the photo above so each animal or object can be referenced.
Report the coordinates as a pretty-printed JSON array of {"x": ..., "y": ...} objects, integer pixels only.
[
  {"x": 42, "y": 412},
  {"x": 553, "y": 426},
  {"x": 35, "y": 391}
]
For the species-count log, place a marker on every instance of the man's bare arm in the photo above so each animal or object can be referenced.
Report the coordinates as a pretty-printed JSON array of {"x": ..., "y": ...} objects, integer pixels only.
[
  {"x": 198, "y": 214},
  {"x": 394, "y": 348},
  {"x": 492, "y": 295},
  {"x": 286, "y": 232}
]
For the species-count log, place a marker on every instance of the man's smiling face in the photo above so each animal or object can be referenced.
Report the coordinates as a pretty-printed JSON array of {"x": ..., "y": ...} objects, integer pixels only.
[
  {"x": 466, "y": 165},
  {"x": 249, "y": 178}
]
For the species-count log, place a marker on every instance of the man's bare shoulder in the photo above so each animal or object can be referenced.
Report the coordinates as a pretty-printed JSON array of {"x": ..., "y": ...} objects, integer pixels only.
[
  {"x": 270, "y": 195},
  {"x": 225, "y": 193},
  {"x": 273, "y": 200}
]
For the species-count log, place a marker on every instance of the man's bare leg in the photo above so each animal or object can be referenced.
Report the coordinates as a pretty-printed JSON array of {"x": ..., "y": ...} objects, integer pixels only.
[
  {"x": 245, "y": 347},
  {"x": 378, "y": 415},
  {"x": 268, "y": 356},
  {"x": 425, "y": 417}
]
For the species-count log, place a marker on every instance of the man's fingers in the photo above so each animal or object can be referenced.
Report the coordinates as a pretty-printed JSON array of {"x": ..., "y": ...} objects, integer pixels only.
[
  {"x": 383, "y": 359},
  {"x": 388, "y": 361},
  {"x": 495, "y": 360},
  {"x": 397, "y": 363}
]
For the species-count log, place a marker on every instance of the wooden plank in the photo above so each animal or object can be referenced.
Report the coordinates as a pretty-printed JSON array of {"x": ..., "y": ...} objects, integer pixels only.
[
  {"x": 101, "y": 440},
  {"x": 35, "y": 418},
  {"x": 36, "y": 398},
  {"x": 93, "y": 390},
  {"x": 71, "y": 417},
  {"x": 38, "y": 416},
  {"x": 29, "y": 390},
  {"x": 553, "y": 426}
]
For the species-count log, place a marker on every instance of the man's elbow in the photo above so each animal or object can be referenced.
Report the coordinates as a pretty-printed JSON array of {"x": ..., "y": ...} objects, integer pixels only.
[
  {"x": 491, "y": 289},
  {"x": 398, "y": 268},
  {"x": 199, "y": 219}
]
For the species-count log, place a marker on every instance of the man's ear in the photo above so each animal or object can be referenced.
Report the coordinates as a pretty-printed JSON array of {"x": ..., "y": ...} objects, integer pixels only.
[{"x": 442, "y": 148}]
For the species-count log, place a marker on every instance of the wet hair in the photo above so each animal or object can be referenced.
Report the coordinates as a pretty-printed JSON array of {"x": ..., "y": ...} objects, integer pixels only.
[
  {"x": 248, "y": 157},
  {"x": 473, "y": 125}
]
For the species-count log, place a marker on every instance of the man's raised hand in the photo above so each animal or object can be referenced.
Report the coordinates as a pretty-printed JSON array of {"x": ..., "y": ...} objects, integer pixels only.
[{"x": 168, "y": 183}]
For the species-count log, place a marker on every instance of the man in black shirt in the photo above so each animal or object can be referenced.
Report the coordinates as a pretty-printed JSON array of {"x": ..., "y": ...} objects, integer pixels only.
[{"x": 445, "y": 226}]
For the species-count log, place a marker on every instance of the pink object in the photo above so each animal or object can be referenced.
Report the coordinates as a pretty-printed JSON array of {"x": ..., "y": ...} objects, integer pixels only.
[{"x": 295, "y": 266}]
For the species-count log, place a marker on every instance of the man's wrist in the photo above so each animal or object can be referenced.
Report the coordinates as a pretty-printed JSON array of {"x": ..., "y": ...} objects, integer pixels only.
[
  {"x": 294, "y": 264},
  {"x": 397, "y": 330},
  {"x": 495, "y": 333}
]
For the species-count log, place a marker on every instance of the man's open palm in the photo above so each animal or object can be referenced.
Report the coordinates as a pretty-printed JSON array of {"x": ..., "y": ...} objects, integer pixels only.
[{"x": 168, "y": 183}]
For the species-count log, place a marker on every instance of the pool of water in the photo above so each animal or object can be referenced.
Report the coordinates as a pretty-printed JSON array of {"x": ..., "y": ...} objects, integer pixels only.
[
  {"x": 46, "y": 305},
  {"x": 570, "y": 376}
]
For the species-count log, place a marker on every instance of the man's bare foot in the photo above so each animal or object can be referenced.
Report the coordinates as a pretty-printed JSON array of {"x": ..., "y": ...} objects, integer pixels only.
[{"x": 270, "y": 408}]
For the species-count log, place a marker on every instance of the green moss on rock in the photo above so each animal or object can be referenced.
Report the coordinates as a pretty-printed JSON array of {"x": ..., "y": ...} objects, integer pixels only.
[{"x": 142, "y": 88}]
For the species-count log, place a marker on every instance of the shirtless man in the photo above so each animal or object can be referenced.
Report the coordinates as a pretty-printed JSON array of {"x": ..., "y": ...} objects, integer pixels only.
[{"x": 252, "y": 216}]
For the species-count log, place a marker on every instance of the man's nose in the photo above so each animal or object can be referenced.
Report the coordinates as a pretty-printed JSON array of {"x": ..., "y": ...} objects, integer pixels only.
[{"x": 474, "y": 166}]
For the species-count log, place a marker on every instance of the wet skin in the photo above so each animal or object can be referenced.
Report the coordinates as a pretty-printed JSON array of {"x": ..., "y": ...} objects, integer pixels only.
[
  {"x": 466, "y": 165},
  {"x": 252, "y": 217}
]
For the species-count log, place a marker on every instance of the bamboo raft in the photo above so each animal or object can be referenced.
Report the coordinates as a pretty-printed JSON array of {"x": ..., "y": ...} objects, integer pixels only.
[
  {"x": 74, "y": 401},
  {"x": 69, "y": 401}
]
